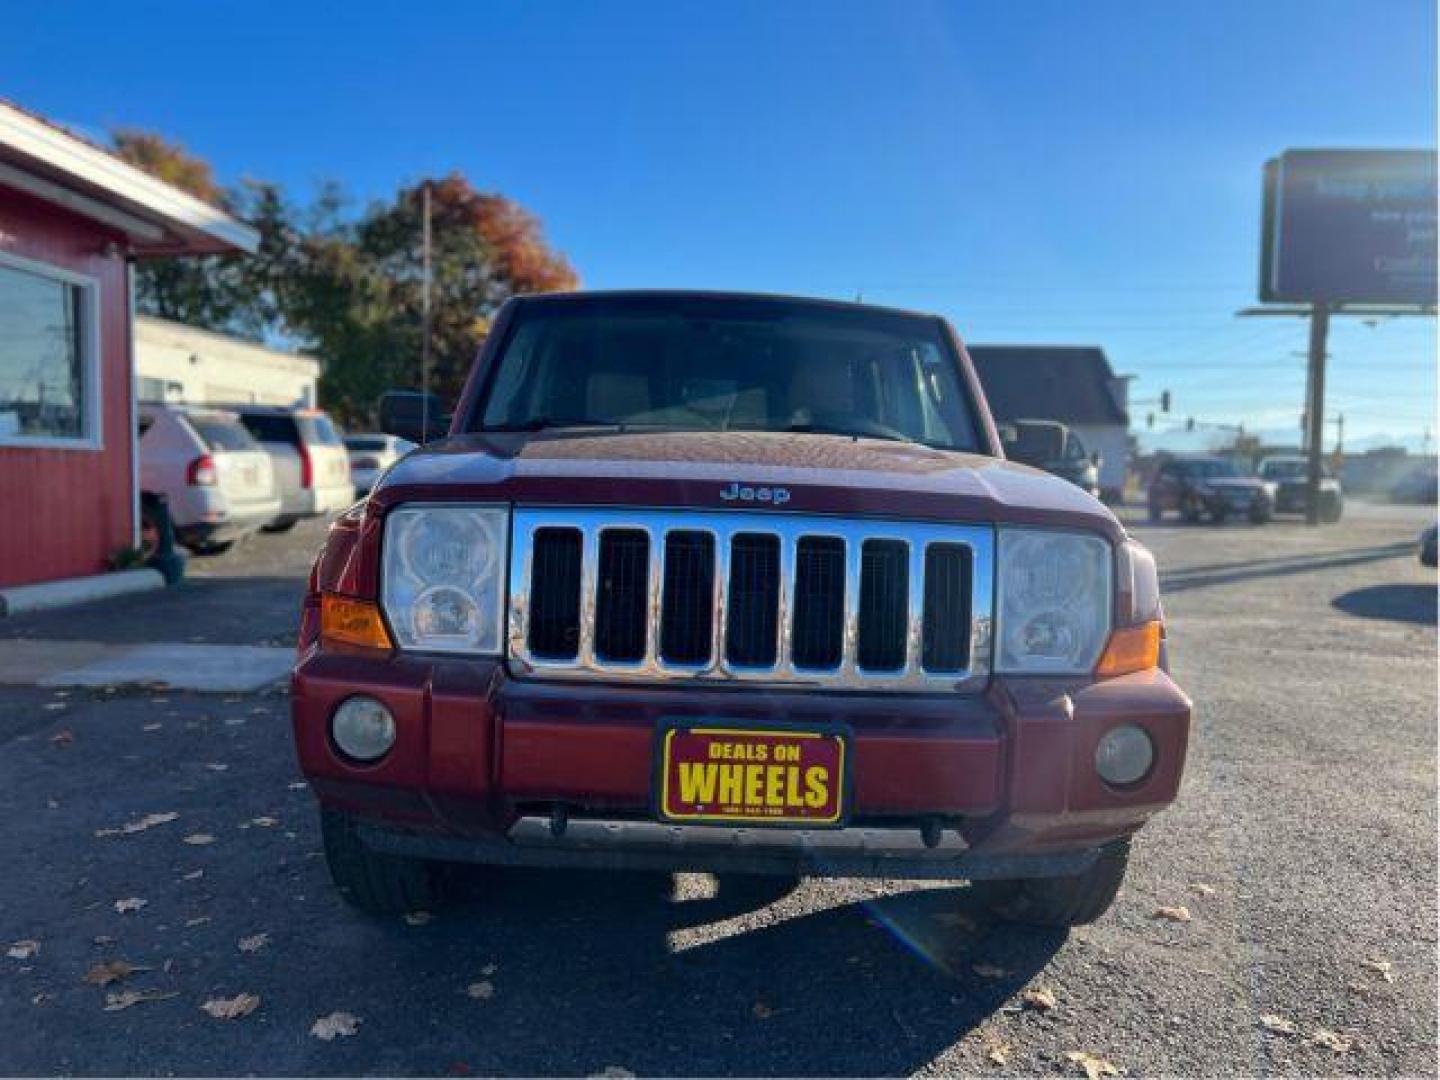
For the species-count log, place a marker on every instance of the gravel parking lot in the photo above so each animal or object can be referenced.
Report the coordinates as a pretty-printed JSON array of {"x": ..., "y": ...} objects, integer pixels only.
[{"x": 1303, "y": 849}]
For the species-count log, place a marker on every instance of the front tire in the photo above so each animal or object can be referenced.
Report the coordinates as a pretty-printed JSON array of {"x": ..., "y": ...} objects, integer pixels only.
[
  {"x": 374, "y": 882},
  {"x": 1061, "y": 901}
]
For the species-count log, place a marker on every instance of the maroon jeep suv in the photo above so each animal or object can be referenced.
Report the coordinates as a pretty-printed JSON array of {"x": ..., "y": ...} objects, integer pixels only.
[{"x": 733, "y": 583}]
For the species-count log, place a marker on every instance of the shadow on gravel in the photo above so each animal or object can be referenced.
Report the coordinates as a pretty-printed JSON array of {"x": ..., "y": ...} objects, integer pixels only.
[
  {"x": 1201, "y": 577},
  {"x": 1412, "y": 603},
  {"x": 600, "y": 970},
  {"x": 215, "y": 611}
]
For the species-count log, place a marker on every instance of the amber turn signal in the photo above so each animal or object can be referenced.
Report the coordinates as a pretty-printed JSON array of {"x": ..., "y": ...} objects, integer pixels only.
[
  {"x": 352, "y": 622},
  {"x": 1131, "y": 648}
]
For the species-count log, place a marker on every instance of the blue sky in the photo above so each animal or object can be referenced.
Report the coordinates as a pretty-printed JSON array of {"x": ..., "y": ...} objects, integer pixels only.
[{"x": 1036, "y": 170}]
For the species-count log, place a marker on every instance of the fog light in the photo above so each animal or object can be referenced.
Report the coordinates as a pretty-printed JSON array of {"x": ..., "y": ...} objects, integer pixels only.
[
  {"x": 1124, "y": 755},
  {"x": 363, "y": 728}
]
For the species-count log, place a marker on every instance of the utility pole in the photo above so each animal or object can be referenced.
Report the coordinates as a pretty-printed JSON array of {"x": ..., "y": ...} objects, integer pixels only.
[
  {"x": 425, "y": 312},
  {"x": 1315, "y": 408}
]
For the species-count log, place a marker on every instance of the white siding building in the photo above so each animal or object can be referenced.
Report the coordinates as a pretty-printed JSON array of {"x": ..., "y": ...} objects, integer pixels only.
[
  {"x": 178, "y": 363},
  {"x": 1069, "y": 383}
]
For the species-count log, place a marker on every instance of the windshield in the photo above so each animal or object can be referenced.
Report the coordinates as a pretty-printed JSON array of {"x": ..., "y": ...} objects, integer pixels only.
[
  {"x": 727, "y": 364},
  {"x": 1208, "y": 469}
]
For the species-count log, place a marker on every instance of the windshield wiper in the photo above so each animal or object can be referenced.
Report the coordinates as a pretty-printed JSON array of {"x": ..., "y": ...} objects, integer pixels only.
[
  {"x": 849, "y": 433},
  {"x": 549, "y": 423}
]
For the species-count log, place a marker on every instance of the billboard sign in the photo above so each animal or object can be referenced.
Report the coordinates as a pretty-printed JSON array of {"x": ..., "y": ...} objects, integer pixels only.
[{"x": 1350, "y": 227}]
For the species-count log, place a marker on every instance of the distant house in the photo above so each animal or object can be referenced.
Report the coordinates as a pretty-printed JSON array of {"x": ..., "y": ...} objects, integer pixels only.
[
  {"x": 177, "y": 363},
  {"x": 1069, "y": 383}
]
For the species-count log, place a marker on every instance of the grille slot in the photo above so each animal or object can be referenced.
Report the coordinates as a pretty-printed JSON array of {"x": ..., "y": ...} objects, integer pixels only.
[
  {"x": 818, "y": 638},
  {"x": 746, "y": 597},
  {"x": 620, "y": 595},
  {"x": 884, "y": 597},
  {"x": 555, "y": 594},
  {"x": 686, "y": 616},
  {"x": 946, "y": 625},
  {"x": 752, "y": 614}
]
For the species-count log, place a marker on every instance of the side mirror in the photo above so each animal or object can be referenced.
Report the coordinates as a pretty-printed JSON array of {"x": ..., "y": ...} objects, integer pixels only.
[{"x": 412, "y": 415}]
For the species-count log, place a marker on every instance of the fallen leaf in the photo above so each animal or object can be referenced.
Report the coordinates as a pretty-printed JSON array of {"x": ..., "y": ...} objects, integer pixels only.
[
  {"x": 1095, "y": 1067},
  {"x": 1278, "y": 1024},
  {"x": 265, "y": 821},
  {"x": 232, "y": 1008},
  {"x": 254, "y": 943},
  {"x": 1332, "y": 1040},
  {"x": 199, "y": 839},
  {"x": 129, "y": 904},
  {"x": 999, "y": 1053},
  {"x": 216, "y": 766},
  {"x": 481, "y": 991},
  {"x": 199, "y": 920},
  {"x": 193, "y": 875},
  {"x": 337, "y": 1023},
  {"x": 62, "y": 738},
  {"x": 1041, "y": 1000},
  {"x": 154, "y": 725},
  {"x": 53, "y": 706},
  {"x": 1380, "y": 967},
  {"x": 417, "y": 918},
  {"x": 488, "y": 970},
  {"x": 40, "y": 998},
  {"x": 23, "y": 950},
  {"x": 149, "y": 821},
  {"x": 1180, "y": 913},
  {"x": 103, "y": 974},
  {"x": 298, "y": 785},
  {"x": 103, "y": 939},
  {"x": 989, "y": 971},
  {"x": 125, "y": 998},
  {"x": 1202, "y": 889},
  {"x": 761, "y": 1011}
]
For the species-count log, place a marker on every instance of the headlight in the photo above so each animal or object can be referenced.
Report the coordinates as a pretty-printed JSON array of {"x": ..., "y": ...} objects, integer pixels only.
[
  {"x": 1053, "y": 603},
  {"x": 443, "y": 578}
]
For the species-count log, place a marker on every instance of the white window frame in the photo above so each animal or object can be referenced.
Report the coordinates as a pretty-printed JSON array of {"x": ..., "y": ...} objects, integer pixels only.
[{"x": 91, "y": 388}]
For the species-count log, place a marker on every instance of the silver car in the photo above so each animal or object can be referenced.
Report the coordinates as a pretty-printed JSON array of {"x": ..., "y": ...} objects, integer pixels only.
[
  {"x": 371, "y": 455},
  {"x": 312, "y": 468},
  {"x": 218, "y": 482}
]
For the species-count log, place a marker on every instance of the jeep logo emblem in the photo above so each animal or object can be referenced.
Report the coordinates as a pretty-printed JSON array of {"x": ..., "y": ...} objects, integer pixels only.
[{"x": 776, "y": 496}]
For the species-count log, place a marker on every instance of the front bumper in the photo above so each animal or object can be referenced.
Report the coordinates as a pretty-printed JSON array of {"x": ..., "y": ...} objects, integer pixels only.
[{"x": 1004, "y": 774}]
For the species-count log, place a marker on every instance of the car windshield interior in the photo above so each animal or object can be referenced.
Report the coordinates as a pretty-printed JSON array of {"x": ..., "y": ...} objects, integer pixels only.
[{"x": 731, "y": 365}]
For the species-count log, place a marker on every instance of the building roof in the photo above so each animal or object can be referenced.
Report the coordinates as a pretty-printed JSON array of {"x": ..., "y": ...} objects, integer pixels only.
[
  {"x": 47, "y": 161},
  {"x": 156, "y": 333},
  {"x": 1069, "y": 383}
]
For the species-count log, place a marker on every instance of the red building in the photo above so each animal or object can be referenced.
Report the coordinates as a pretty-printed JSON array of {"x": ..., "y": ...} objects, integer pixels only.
[{"x": 73, "y": 218}]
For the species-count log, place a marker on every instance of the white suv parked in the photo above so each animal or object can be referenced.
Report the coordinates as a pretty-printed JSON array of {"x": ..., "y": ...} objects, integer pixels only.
[{"x": 219, "y": 483}]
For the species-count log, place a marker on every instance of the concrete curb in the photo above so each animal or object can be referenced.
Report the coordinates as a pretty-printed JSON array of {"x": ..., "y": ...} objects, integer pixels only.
[{"x": 19, "y": 599}]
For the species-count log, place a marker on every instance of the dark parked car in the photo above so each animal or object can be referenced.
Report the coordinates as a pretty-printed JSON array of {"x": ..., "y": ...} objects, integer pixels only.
[
  {"x": 1288, "y": 473},
  {"x": 1052, "y": 446},
  {"x": 719, "y": 582},
  {"x": 1418, "y": 486},
  {"x": 1213, "y": 487}
]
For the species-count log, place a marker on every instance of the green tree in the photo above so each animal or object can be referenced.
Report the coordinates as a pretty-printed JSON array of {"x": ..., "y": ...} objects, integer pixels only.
[{"x": 348, "y": 288}]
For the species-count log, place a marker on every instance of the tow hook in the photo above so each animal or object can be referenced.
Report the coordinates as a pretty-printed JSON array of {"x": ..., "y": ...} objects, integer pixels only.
[{"x": 932, "y": 832}]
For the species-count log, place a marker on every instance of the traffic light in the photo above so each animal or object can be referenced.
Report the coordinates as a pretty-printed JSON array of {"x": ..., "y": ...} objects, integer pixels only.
[{"x": 1165, "y": 401}]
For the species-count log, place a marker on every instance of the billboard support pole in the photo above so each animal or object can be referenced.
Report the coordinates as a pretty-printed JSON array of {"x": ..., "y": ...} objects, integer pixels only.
[{"x": 1315, "y": 413}]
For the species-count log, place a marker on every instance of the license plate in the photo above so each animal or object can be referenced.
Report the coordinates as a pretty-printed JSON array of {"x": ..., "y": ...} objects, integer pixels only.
[{"x": 718, "y": 775}]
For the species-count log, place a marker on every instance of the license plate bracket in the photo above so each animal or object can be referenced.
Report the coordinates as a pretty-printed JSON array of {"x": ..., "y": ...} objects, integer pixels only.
[{"x": 770, "y": 775}]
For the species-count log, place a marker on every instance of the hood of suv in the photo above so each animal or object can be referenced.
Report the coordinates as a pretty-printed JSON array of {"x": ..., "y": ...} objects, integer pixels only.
[{"x": 765, "y": 472}]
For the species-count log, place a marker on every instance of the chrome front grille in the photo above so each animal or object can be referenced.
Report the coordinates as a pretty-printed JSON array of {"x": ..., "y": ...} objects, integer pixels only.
[{"x": 783, "y": 599}]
